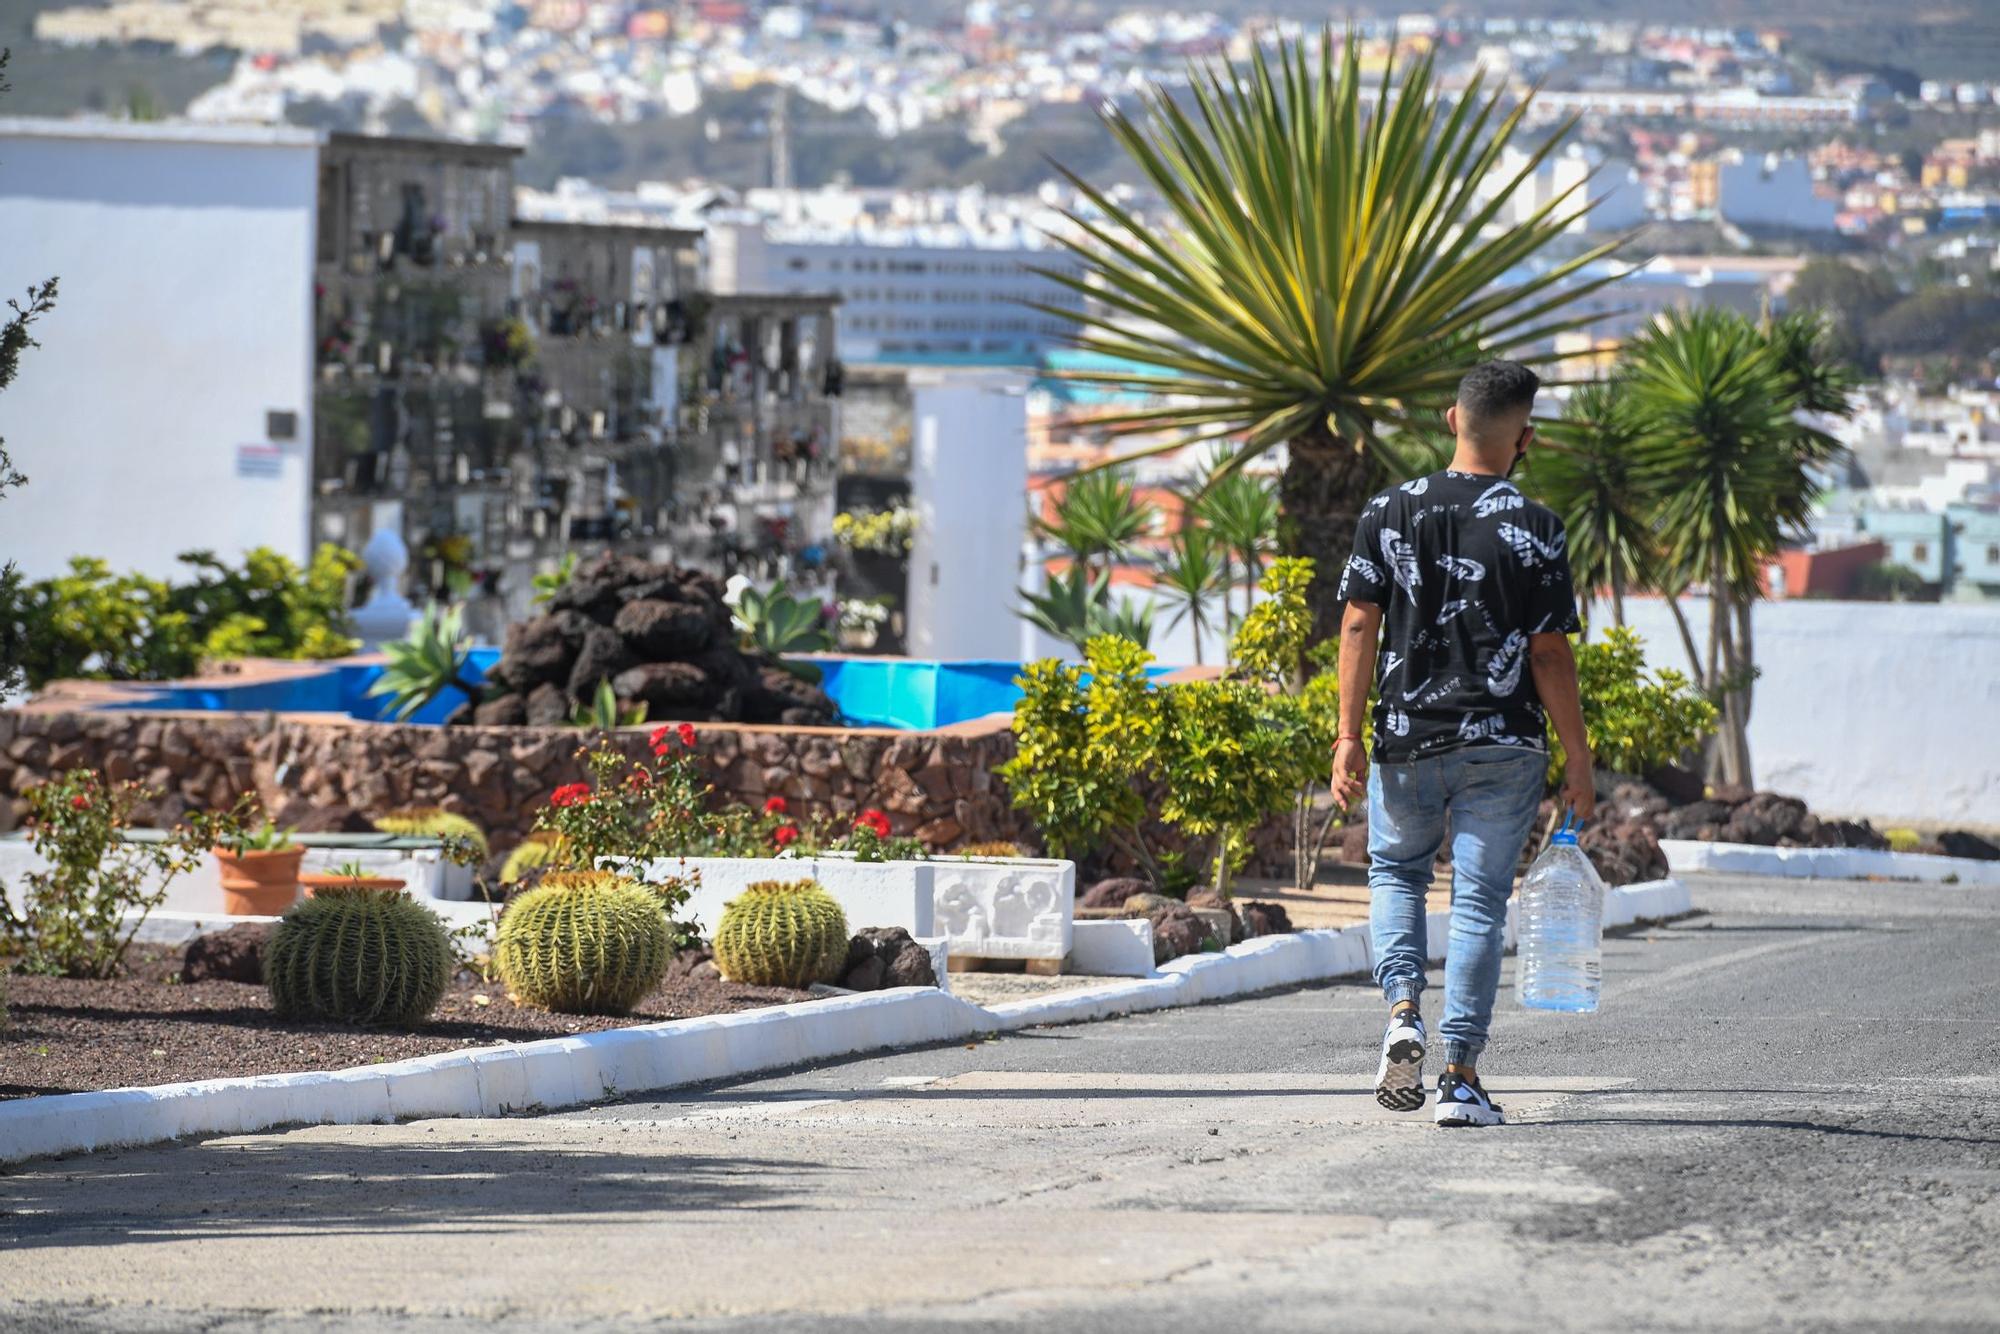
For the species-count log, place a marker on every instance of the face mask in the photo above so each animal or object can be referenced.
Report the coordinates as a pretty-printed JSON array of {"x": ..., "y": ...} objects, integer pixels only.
[{"x": 1520, "y": 451}]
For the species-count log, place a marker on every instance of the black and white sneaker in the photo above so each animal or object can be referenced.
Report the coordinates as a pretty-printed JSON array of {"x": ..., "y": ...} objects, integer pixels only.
[
  {"x": 1399, "y": 1084},
  {"x": 1461, "y": 1102}
]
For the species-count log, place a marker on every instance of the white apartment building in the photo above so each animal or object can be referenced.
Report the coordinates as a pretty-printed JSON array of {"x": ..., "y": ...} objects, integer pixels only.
[
  {"x": 910, "y": 293},
  {"x": 1609, "y": 187},
  {"x": 1772, "y": 191}
]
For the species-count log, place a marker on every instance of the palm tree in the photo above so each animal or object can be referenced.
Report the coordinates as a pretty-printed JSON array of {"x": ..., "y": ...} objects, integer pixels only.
[
  {"x": 1717, "y": 445},
  {"x": 1332, "y": 268},
  {"x": 1098, "y": 517},
  {"x": 1583, "y": 470},
  {"x": 1242, "y": 511},
  {"x": 1193, "y": 573}
]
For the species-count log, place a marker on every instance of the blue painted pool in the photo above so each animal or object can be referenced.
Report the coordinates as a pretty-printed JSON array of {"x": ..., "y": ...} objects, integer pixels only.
[{"x": 909, "y": 693}]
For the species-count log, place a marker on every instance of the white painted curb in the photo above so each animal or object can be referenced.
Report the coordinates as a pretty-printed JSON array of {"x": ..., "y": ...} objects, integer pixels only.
[
  {"x": 1688, "y": 856},
  {"x": 563, "y": 1072}
]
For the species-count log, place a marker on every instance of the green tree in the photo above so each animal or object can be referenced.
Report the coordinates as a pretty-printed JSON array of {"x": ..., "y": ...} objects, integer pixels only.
[
  {"x": 1099, "y": 519},
  {"x": 1192, "y": 575},
  {"x": 1242, "y": 511},
  {"x": 1328, "y": 271},
  {"x": 1719, "y": 446},
  {"x": 1583, "y": 470}
]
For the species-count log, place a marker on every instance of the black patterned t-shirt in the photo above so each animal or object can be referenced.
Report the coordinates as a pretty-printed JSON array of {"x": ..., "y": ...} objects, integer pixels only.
[{"x": 1465, "y": 568}]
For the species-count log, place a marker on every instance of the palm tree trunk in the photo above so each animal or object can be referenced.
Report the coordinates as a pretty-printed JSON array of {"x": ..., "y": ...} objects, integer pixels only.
[
  {"x": 1194, "y": 619},
  {"x": 1319, "y": 502},
  {"x": 1618, "y": 599},
  {"x": 1744, "y": 671},
  {"x": 1687, "y": 640}
]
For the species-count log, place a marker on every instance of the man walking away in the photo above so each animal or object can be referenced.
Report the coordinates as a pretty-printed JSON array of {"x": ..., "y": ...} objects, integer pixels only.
[{"x": 1458, "y": 607}]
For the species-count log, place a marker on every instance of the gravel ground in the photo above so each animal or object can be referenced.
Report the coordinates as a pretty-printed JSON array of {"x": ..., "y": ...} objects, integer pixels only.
[{"x": 69, "y": 1036}]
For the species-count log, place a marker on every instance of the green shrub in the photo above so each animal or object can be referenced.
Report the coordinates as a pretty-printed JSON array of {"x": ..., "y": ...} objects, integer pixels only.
[
  {"x": 1082, "y": 751},
  {"x": 583, "y": 942},
  {"x": 782, "y": 934},
  {"x": 1903, "y": 840},
  {"x": 432, "y": 822},
  {"x": 90, "y": 622},
  {"x": 358, "y": 956},
  {"x": 78, "y": 917},
  {"x": 1638, "y": 720}
]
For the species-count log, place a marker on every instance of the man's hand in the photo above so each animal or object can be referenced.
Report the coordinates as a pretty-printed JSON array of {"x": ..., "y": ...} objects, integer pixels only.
[
  {"x": 1580, "y": 789},
  {"x": 1350, "y": 772}
]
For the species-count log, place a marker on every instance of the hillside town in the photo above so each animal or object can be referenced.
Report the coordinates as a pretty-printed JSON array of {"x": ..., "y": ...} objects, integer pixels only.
[{"x": 864, "y": 664}]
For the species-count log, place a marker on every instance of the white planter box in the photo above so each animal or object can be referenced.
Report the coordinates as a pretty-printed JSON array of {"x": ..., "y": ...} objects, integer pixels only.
[
  {"x": 1115, "y": 947},
  {"x": 424, "y": 872},
  {"x": 870, "y": 893},
  {"x": 1016, "y": 908}
]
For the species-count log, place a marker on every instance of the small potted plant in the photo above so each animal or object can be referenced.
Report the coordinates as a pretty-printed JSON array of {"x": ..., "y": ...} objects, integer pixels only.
[
  {"x": 349, "y": 875},
  {"x": 260, "y": 869}
]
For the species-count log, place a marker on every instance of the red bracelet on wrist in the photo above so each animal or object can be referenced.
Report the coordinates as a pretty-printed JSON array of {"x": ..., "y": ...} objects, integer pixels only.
[{"x": 1337, "y": 740}]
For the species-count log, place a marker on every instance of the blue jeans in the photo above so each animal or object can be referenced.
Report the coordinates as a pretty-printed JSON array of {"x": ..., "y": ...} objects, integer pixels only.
[{"x": 1491, "y": 794}]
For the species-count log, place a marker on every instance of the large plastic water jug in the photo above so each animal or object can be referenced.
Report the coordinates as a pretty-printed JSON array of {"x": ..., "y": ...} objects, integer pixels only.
[{"x": 1561, "y": 921}]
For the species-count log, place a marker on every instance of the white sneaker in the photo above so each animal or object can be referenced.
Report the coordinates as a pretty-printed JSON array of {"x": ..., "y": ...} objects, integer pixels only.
[
  {"x": 1399, "y": 1083},
  {"x": 1461, "y": 1102}
]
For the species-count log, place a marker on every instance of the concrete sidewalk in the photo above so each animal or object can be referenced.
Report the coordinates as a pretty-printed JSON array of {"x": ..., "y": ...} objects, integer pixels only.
[{"x": 1762, "y": 1128}]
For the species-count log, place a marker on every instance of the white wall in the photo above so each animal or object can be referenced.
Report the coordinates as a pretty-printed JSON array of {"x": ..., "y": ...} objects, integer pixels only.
[
  {"x": 185, "y": 314},
  {"x": 968, "y": 483},
  {"x": 1884, "y": 710}
]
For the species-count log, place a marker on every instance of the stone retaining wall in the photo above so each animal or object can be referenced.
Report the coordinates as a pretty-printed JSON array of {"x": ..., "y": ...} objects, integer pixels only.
[
  {"x": 936, "y": 787},
  {"x": 939, "y": 787}
]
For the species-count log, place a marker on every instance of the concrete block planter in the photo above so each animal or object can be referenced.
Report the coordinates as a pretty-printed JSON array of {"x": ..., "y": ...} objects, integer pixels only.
[
  {"x": 1118, "y": 947},
  {"x": 1012, "y": 908},
  {"x": 1687, "y": 856},
  {"x": 871, "y": 893},
  {"x": 562, "y": 1072}
]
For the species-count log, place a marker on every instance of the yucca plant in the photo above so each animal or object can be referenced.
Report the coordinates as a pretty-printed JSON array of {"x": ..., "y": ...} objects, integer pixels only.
[
  {"x": 1713, "y": 404},
  {"x": 1077, "y": 607},
  {"x": 430, "y": 661},
  {"x": 1241, "y": 510},
  {"x": 1191, "y": 577},
  {"x": 1098, "y": 518},
  {"x": 1582, "y": 468},
  {"x": 1328, "y": 273}
]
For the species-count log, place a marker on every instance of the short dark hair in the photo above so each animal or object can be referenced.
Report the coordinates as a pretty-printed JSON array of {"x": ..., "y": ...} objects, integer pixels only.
[{"x": 1494, "y": 387}]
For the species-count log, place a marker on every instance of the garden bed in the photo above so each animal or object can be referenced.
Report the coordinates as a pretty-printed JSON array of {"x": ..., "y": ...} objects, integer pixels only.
[{"x": 145, "y": 1027}]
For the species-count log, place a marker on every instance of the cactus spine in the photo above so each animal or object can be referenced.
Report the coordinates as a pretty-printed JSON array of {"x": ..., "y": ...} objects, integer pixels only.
[
  {"x": 358, "y": 957},
  {"x": 583, "y": 942},
  {"x": 432, "y": 822},
  {"x": 782, "y": 934}
]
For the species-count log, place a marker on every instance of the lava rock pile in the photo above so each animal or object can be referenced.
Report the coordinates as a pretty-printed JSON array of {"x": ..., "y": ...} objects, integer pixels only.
[{"x": 661, "y": 635}]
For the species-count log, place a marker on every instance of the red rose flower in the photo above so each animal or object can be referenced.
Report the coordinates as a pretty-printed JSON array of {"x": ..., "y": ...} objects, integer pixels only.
[
  {"x": 570, "y": 794},
  {"x": 636, "y": 779},
  {"x": 775, "y": 806},
  {"x": 686, "y": 733},
  {"x": 79, "y": 801},
  {"x": 659, "y": 738},
  {"x": 874, "y": 821},
  {"x": 785, "y": 835}
]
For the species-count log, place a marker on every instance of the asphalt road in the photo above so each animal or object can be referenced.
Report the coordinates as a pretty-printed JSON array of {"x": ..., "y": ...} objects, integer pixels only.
[{"x": 1787, "y": 1116}]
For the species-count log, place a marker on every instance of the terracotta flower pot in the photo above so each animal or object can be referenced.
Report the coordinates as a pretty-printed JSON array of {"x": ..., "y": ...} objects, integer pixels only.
[
  {"x": 317, "y": 882},
  {"x": 259, "y": 884}
]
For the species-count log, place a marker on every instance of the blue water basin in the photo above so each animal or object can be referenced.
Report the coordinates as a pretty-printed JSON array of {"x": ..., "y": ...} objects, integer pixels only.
[{"x": 911, "y": 693}]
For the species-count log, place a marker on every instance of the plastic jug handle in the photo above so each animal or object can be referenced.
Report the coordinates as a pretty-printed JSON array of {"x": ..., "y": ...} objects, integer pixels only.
[{"x": 1570, "y": 823}]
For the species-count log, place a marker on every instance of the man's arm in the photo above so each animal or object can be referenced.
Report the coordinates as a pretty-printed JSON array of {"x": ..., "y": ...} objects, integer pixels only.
[
  {"x": 1360, "y": 636},
  {"x": 1554, "y": 669}
]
